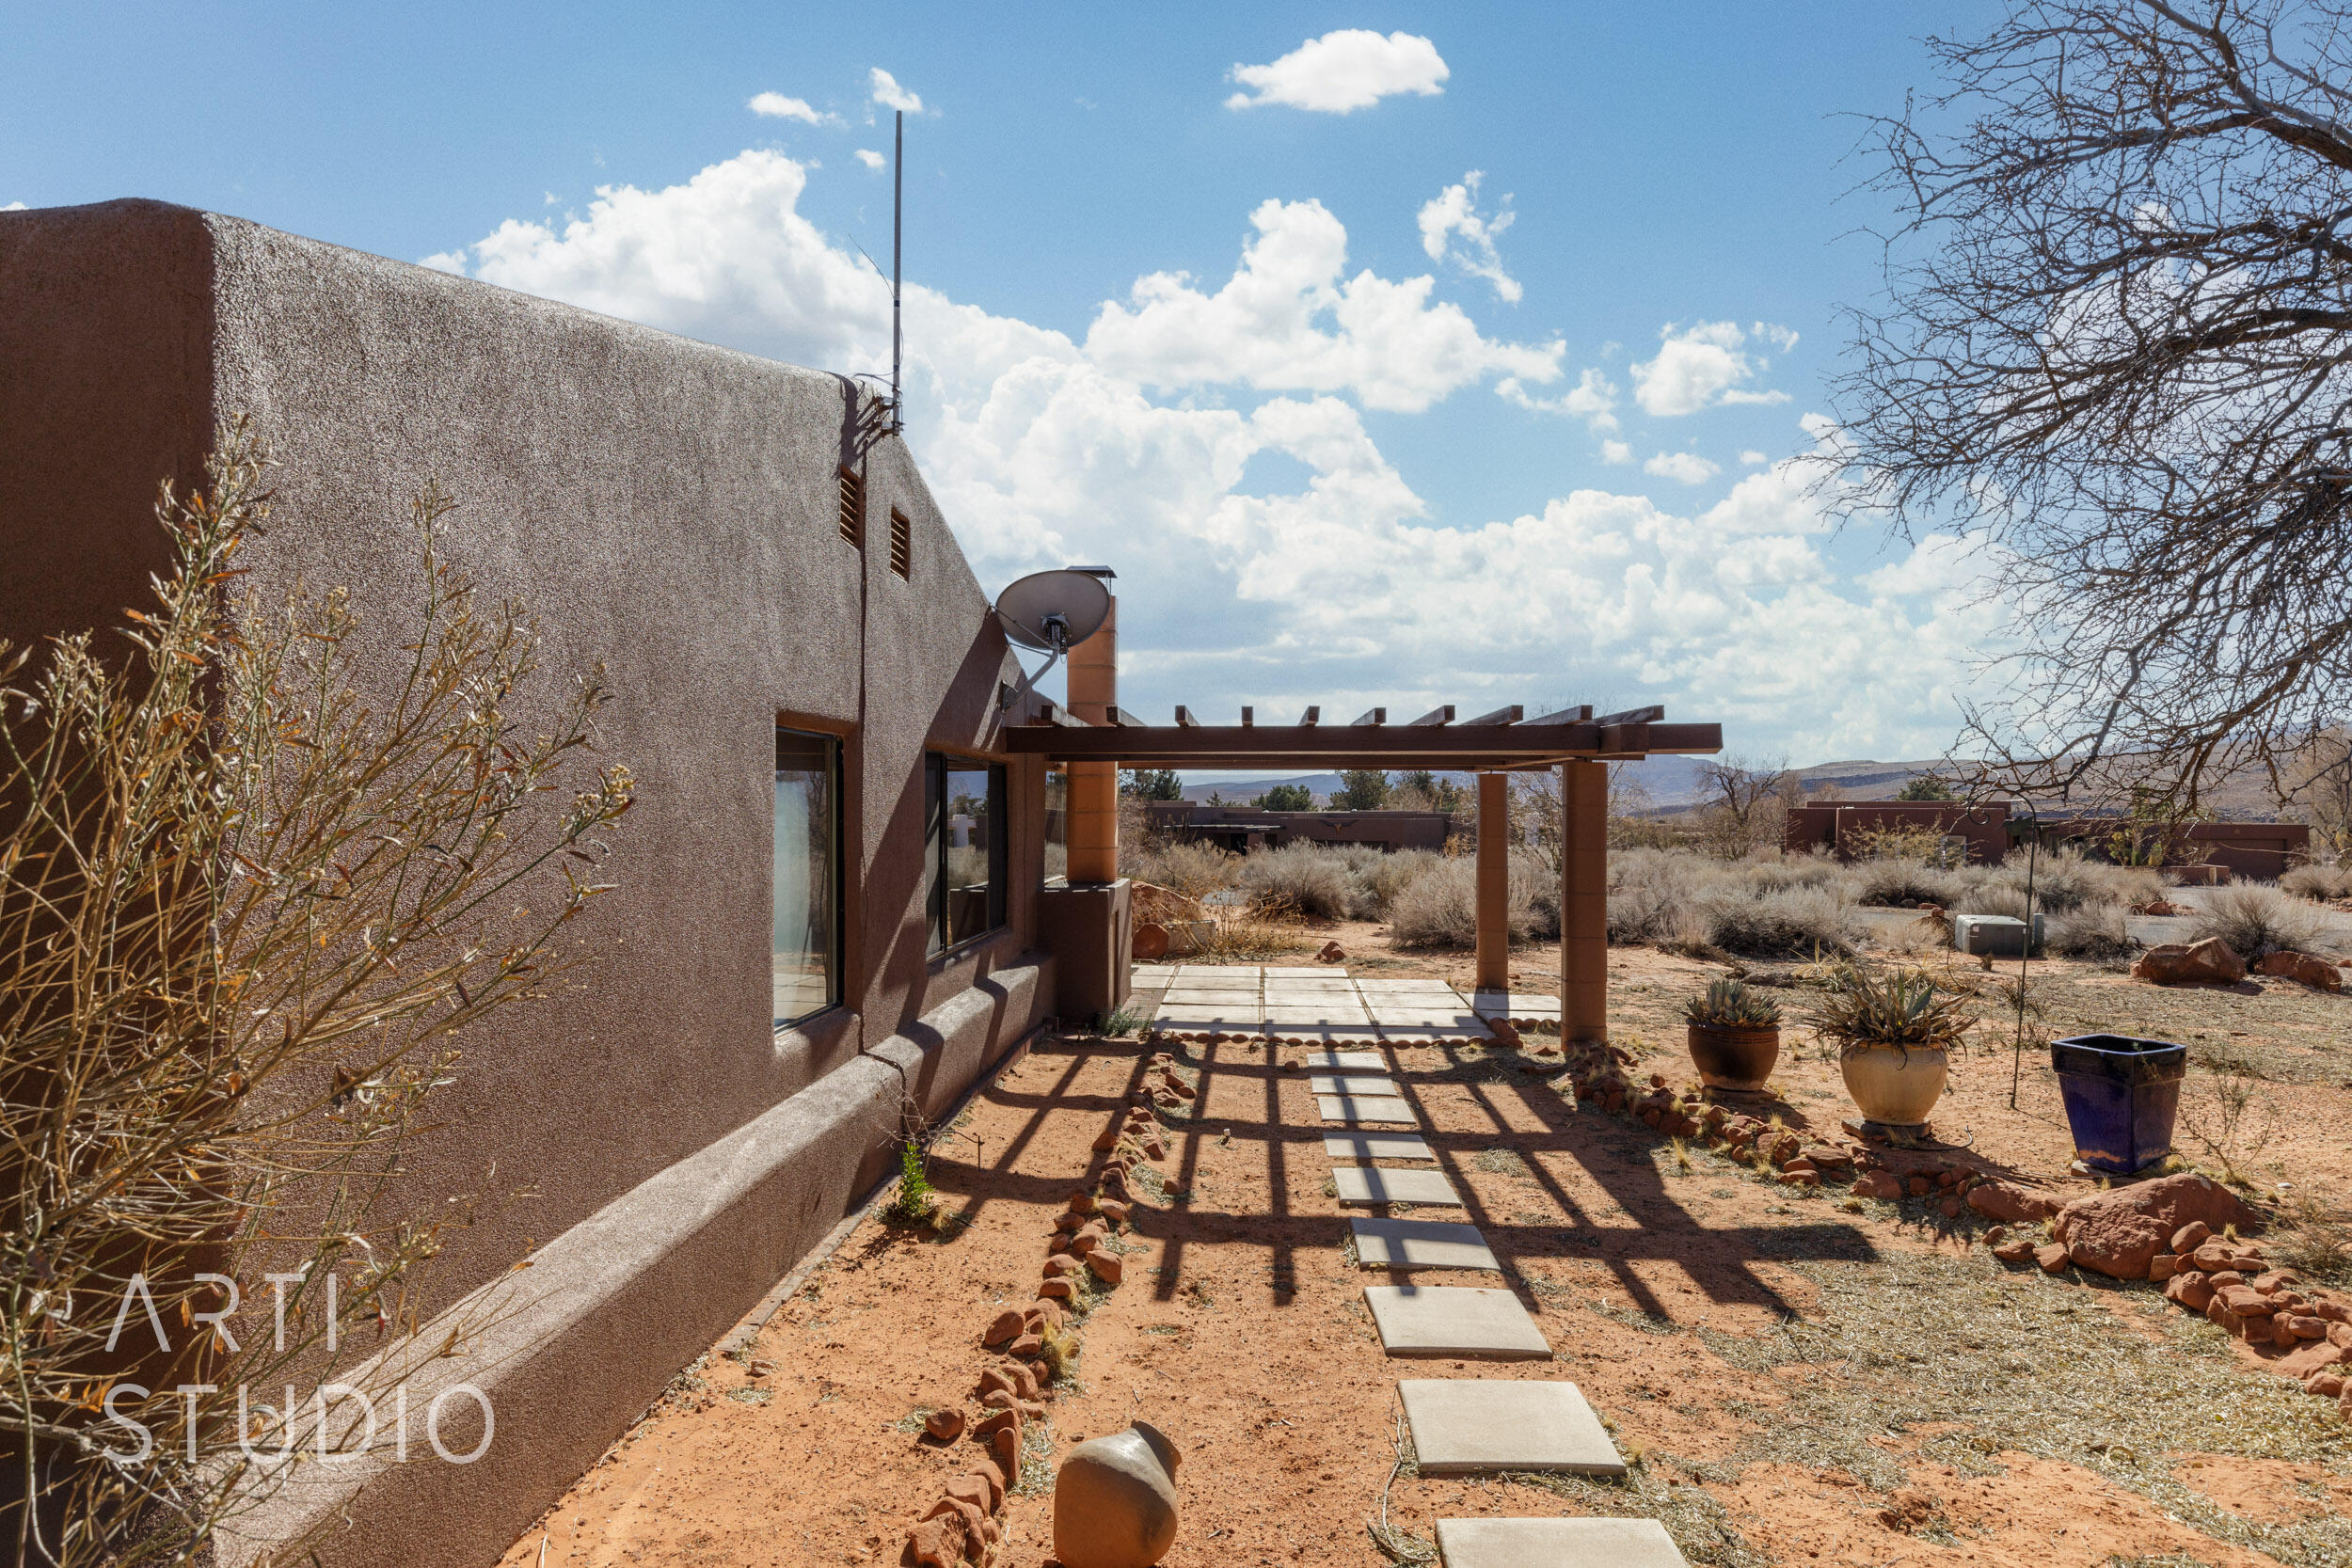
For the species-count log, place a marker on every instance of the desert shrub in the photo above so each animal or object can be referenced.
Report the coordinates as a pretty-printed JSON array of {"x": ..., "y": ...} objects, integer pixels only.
[
  {"x": 1897, "y": 881},
  {"x": 2255, "y": 918},
  {"x": 1383, "y": 876},
  {"x": 1189, "y": 867},
  {"x": 2063, "y": 879},
  {"x": 2317, "y": 881},
  {"x": 2094, "y": 930},
  {"x": 1439, "y": 907},
  {"x": 1991, "y": 898},
  {"x": 1311, "y": 879},
  {"x": 1787, "y": 923},
  {"x": 1654, "y": 895},
  {"x": 1802, "y": 870}
]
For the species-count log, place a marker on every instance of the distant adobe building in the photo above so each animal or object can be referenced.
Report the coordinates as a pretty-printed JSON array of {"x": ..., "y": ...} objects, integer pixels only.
[
  {"x": 1245, "y": 829},
  {"x": 1981, "y": 834}
]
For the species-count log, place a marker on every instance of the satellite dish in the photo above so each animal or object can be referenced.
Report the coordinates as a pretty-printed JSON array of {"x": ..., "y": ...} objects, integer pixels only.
[{"x": 1053, "y": 612}]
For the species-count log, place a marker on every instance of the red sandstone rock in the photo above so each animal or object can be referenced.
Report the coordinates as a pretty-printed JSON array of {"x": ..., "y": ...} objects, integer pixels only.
[
  {"x": 2196, "y": 1233},
  {"x": 2220, "y": 1313},
  {"x": 2304, "y": 1361},
  {"x": 1004, "y": 1330},
  {"x": 2303, "y": 969},
  {"x": 2118, "y": 1232},
  {"x": 1028, "y": 1344},
  {"x": 1106, "y": 1266},
  {"x": 1879, "y": 1184},
  {"x": 2209, "y": 962},
  {"x": 937, "y": 1542},
  {"x": 1113, "y": 1210},
  {"x": 1005, "y": 1443},
  {"x": 1059, "y": 1264},
  {"x": 2191, "y": 1289},
  {"x": 2339, "y": 1334},
  {"x": 2017, "y": 1249},
  {"x": 1919, "y": 1187},
  {"x": 1154, "y": 1148},
  {"x": 947, "y": 1425},
  {"x": 2301, "y": 1326},
  {"x": 2328, "y": 1385},
  {"x": 2246, "y": 1301},
  {"x": 2271, "y": 1281},
  {"x": 2051, "y": 1256},
  {"x": 2001, "y": 1201},
  {"x": 972, "y": 1489},
  {"x": 1106, "y": 1140},
  {"x": 2163, "y": 1266},
  {"x": 987, "y": 1471},
  {"x": 1332, "y": 953},
  {"x": 1055, "y": 1290}
]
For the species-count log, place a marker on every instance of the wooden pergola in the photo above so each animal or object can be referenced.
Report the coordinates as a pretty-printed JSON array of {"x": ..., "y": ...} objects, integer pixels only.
[{"x": 1492, "y": 745}]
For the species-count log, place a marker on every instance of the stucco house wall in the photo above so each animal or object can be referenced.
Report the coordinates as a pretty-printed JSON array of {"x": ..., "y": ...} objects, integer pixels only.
[{"x": 667, "y": 508}]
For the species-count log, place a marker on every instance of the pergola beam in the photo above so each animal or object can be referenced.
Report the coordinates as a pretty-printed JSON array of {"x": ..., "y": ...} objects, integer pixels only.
[
  {"x": 1454, "y": 747},
  {"x": 1370, "y": 716},
  {"x": 1435, "y": 716}
]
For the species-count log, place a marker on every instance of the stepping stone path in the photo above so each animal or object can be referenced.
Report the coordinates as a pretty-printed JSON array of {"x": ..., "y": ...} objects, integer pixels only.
[
  {"x": 1461, "y": 1426},
  {"x": 1364, "y": 1184},
  {"x": 1473, "y": 1324},
  {"x": 1422, "y": 1245},
  {"x": 1569, "y": 1543}
]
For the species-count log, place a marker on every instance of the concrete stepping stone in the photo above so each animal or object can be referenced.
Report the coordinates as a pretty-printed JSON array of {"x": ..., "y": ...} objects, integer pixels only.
[
  {"x": 1364, "y": 1184},
  {"x": 1557, "y": 1544},
  {"x": 1376, "y": 1146},
  {"x": 1344, "y": 1015},
  {"x": 1420, "y": 1245},
  {"x": 1346, "y": 1061},
  {"x": 1152, "y": 971},
  {"x": 1346, "y": 1108},
  {"x": 1463, "y": 1425},
  {"x": 1306, "y": 972},
  {"x": 1466, "y": 1324},
  {"x": 1358, "y": 1088},
  {"x": 1220, "y": 975},
  {"x": 1404, "y": 983}
]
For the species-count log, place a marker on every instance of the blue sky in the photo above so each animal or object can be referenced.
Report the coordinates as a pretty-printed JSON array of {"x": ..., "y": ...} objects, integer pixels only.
[{"x": 1315, "y": 490}]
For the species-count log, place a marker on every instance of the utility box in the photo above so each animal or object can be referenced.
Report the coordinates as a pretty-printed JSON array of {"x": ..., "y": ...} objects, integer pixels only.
[{"x": 1996, "y": 935}]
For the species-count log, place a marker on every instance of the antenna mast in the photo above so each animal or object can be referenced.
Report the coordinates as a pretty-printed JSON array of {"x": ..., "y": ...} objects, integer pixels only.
[{"x": 898, "y": 202}]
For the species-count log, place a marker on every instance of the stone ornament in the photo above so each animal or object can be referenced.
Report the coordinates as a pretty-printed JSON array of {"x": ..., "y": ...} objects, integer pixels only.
[{"x": 1114, "y": 1500}]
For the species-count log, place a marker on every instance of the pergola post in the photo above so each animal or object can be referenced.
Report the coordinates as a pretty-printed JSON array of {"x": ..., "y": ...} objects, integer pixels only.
[
  {"x": 1585, "y": 901},
  {"x": 1494, "y": 881},
  {"x": 1093, "y": 794}
]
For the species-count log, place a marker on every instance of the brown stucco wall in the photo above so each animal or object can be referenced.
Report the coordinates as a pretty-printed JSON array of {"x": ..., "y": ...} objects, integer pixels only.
[{"x": 664, "y": 507}]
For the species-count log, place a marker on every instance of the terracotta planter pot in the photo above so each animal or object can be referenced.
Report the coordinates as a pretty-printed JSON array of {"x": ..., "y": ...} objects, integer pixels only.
[
  {"x": 1737, "y": 1057},
  {"x": 1897, "y": 1088}
]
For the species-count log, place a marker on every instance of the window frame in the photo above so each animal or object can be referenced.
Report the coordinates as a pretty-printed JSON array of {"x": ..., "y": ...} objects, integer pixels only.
[
  {"x": 936, "y": 767},
  {"x": 837, "y": 977}
]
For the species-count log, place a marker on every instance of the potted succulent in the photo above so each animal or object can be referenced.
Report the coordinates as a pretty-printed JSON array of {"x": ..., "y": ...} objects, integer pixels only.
[
  {"x": 2122, "y": 1094},
  {"x": 1893, "y": 1036},
  {"x": 1734, "y": 1036}
]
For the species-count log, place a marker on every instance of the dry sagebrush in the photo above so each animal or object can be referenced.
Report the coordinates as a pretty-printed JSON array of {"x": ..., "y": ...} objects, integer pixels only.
[{"x": 245, "y": 913}]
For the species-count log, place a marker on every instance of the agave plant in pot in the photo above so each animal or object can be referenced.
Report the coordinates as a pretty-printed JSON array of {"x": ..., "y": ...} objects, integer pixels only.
[
  {"x": 1894, "y": 1035},
  {"x": 1734, "y": 1036}
]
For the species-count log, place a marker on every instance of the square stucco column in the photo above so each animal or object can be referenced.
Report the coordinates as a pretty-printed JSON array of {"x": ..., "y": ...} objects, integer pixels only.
[
  {"x": 1093, "y": 794},
  {"x": 1585, "y": 901},
  {"x": 1494, "y": 881}
]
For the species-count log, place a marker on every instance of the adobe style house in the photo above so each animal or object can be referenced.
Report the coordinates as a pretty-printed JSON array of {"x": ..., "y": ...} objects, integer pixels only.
[
  {"x": 808, "y": 677},
  {"x": 833, "y": 913}
]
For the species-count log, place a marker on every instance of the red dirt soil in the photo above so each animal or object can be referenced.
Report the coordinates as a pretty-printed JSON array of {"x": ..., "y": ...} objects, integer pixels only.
[{"x": 1240, "y": 1330}]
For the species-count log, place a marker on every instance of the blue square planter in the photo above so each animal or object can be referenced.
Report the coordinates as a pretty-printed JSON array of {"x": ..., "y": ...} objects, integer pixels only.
[{"x": 2122, "y": 1094}]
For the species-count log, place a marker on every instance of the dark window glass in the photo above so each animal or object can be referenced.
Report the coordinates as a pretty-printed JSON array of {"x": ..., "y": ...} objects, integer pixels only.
[
  {"x": 964, "y": 823},
  {"x": 1057, "y": 824},
  {"x": 807, "y": 890}
]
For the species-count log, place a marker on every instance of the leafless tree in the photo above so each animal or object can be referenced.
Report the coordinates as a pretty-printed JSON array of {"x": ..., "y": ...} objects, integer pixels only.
[
  {"x": 2113, "y": 354},
  {"x": 1747, "y": 801}
]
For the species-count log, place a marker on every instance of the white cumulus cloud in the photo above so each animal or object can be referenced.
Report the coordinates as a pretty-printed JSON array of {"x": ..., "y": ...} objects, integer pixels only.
[
  {"x": 890, "y": 95},
  {"x": 1593, "y": 399},
  {"x": 1687, "y": 468},
  {"x": 1342, "y": 71},
  {"x": 775, "y": 105},
  {"x": 1453, "y": 229},
  {"x": 1616, "y": 453},
  {"x": 1704, "y": 365},
  {"x": 872, "y": 158},
  {"x": 1753, "y": 458},
  {"x": 1289, "y": 320},
  {"x": 1342, "y": 586}
]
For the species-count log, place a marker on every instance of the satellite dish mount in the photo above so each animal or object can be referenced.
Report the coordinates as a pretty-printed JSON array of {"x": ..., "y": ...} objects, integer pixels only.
[{"x": 1052, "y": 613}]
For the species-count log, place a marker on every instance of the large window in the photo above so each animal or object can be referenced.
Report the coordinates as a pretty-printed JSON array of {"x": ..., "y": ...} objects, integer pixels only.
[
  {"x": 964, "y": 832},
  {"x": 808, "y": 874}
]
